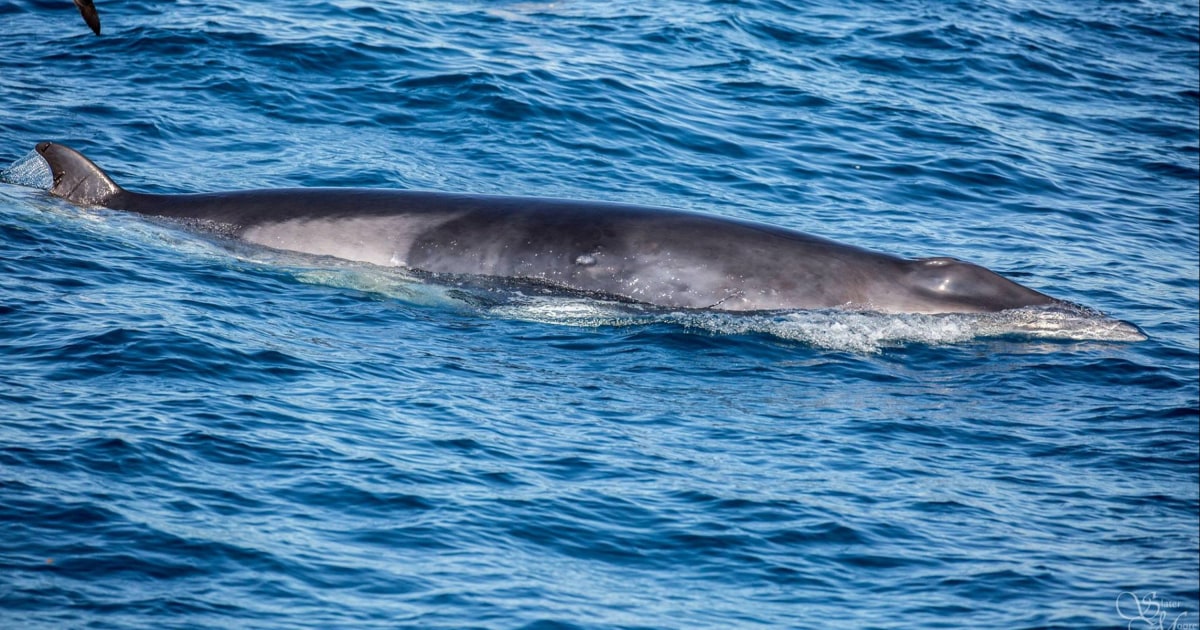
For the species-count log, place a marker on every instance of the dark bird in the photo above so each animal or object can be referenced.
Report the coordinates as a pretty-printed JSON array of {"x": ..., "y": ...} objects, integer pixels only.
[{"x": 88, "y": 10}]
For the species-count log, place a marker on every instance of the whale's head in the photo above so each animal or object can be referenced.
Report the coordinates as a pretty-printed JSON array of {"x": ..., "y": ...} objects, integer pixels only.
[{"x": 952, "y": 285}]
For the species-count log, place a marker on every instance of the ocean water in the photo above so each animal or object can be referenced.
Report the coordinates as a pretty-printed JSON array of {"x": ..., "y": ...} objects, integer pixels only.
[{"x": 196, "y": 434}]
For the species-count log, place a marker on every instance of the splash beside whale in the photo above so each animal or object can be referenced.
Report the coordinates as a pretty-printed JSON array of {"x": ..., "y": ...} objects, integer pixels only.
[{"x": 656, "y": 256}]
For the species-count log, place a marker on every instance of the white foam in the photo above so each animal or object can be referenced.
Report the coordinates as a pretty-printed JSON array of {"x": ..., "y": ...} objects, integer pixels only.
[{"x": 855, "y": 331}]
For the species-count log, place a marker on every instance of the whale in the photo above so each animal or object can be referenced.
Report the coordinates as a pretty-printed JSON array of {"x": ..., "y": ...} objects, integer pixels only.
[{"x": 655, "y": 256}]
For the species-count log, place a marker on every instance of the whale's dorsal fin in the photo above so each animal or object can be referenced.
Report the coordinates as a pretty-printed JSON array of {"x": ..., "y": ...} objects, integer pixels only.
[{"x": 76, "y": 178}]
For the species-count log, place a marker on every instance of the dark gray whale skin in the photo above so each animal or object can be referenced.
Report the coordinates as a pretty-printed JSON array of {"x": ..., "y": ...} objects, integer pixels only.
[{"x": 657, "y": 256}]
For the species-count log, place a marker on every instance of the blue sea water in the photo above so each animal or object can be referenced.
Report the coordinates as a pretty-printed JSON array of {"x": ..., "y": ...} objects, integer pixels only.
[{"x": 194, "y": 435}]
